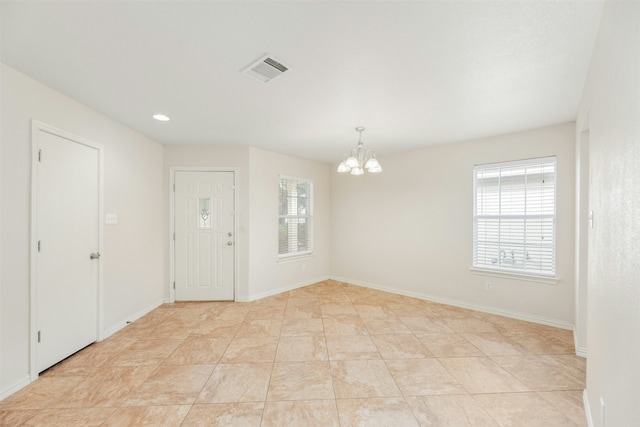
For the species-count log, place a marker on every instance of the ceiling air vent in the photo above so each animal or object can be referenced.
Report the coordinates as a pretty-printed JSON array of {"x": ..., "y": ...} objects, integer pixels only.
[{"x": 265, "y": 69}]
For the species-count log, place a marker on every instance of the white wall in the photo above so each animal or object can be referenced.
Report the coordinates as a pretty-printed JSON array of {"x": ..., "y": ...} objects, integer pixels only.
[
  {"x": 214, "y": 156},
  {"x": 2, "y": 387},
  {"x": 582, "y": 241},
  {"x": 409, "y": 229},
  {"x": 133, "y": 249},
  {"x": 267, "y": 276},
  {"x": 611, "y": 112}
]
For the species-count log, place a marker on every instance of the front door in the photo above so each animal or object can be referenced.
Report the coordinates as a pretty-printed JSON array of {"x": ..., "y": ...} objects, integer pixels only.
[
  {"x": 67, "y": 229},
  {"x": 204, "y": 236}
]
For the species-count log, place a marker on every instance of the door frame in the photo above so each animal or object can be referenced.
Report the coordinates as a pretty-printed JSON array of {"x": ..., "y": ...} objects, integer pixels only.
[
  {"x": 172, "y": 225},
  {"x": 36, "y": 127}
]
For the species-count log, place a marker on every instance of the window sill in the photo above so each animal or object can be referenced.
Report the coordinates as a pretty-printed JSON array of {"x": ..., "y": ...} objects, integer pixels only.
[
  {"x": 526, "y": 277},
  {"x": 294, "y": 258}
]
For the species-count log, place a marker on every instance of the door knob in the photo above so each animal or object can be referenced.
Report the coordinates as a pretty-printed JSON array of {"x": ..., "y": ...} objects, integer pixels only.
[
  {"x": 95, "y": 255},
  {"x": 229, "y": 234},
  {"x": 229, "y": 243}
]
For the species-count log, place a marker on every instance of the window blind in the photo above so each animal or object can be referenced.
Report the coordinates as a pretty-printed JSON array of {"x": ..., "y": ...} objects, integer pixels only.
[
  {"x": 515, "y": 216},
  {"x": 295, "y": 217}
]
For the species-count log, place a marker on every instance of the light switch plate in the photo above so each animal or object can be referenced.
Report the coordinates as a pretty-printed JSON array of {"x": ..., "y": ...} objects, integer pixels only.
[{"x": 111, "y": 218}]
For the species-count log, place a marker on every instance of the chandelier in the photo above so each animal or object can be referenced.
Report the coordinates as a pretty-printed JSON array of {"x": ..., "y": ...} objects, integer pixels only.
[{"x": 359, "y": 159}]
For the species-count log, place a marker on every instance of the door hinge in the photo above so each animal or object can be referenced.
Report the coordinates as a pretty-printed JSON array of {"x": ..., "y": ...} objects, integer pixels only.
[
  {"x": 174, "y": 285},
  {"x": 38, "y": 245},
  {"x": 174, "y": 236},
  {"x": 38, "y": 336},
  {"x": 39, "y": 155},
  {"x": 174, "y": 188}
]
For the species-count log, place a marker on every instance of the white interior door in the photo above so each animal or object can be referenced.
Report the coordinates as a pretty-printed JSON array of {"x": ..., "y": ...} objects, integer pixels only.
[
  {"x": 204, "y": 240},
  {"x": 67, "y": 228}
]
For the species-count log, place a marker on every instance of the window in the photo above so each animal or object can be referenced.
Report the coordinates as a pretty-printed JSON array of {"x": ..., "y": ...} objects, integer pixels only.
[
  {"x": 295, "y": 217},
  {"x": 514, "y": 217}
]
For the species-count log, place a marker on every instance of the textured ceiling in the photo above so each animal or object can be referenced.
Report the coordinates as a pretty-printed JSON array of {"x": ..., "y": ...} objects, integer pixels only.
[{"x": 413, "y": 73}]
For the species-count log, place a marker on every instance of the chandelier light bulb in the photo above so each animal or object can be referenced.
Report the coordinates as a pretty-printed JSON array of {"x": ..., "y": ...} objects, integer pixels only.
[
  {"x": 351, "y": 162},
  {"x": 376, "y": 169},
  {"x": 342, "y": 168},
  {"x": 372, "y": 163}
]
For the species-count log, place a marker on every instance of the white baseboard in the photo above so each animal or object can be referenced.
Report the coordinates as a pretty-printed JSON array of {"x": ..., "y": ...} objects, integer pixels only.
[
  {"x": 461, "y": 304},
  {"x": 587, "y": 408},
  {"x": 580, "y": 351},
  {"x": 118, "y": 326},
  {"x": 280, "y": 290},
  {"x": 25, "y": 381}
]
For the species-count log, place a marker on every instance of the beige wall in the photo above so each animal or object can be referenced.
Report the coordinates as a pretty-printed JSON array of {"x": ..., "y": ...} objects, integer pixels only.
[
  {"x": 133, "y": 249},
  {"x": 410, "y": 228},
  {"x": 610, "y": 111},
  {"x": 267, "y": 275}
]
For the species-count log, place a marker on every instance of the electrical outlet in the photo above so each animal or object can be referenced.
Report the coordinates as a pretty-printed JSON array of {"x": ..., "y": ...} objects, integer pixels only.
[{"x": 488, "y": 286}]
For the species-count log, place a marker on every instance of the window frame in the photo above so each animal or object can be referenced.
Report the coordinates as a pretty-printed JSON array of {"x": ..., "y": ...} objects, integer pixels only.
[
  {"x": 308, "y": 217},
  {"x": 501, "y": 270}
]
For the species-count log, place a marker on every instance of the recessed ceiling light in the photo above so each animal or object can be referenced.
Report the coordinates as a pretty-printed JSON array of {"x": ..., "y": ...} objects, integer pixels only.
[{"x": 161, "y": 117}]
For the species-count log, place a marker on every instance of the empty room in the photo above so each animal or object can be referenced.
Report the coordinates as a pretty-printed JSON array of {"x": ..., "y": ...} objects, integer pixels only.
[{"x": 320, "y": 213}]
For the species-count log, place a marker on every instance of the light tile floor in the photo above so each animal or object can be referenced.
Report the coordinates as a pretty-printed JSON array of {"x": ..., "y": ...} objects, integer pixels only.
[{"x": 330, "y": 354}]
